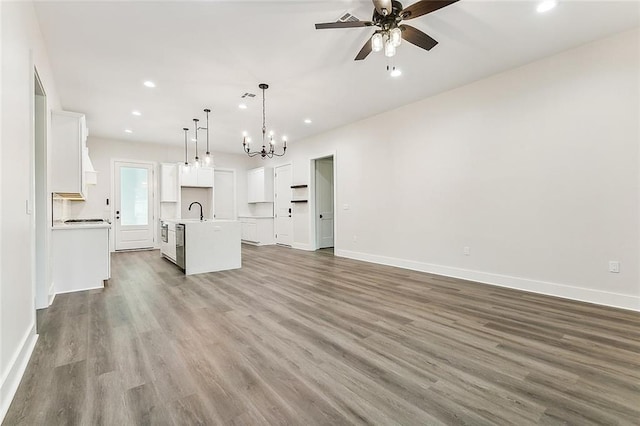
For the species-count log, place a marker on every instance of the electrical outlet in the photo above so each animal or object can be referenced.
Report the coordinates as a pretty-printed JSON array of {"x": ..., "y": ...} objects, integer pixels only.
[
  {"x": 466, "y": 251},
  {"x": 614, "y": 266}
]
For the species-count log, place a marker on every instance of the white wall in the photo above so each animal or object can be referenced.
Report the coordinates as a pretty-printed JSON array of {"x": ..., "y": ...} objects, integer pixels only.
[
  {"x": 535, "y": 169},
  {"x": 22, "y": 49},
  {"x": 103, "y": 151}
]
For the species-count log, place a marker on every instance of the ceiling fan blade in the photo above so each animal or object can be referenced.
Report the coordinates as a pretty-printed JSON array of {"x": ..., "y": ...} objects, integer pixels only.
[
  {"x": 366, "y": 49},
  {"x": 423, "y": 7},
  {"x": 417, "y": 37},
  {"x": 349, "y": 24}
]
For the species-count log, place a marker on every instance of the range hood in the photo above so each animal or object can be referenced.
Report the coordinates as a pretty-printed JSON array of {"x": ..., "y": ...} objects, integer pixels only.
[{"x": 90, "y": 174}]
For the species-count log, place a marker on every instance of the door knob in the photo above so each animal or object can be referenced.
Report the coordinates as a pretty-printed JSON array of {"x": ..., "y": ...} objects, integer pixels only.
[{"x": 320, "y": 216}]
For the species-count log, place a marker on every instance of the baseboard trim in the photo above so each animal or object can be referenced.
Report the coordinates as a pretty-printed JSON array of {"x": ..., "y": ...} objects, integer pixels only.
[
  {"x": 597, "y": 297},
  {"x": 82, "y": 289},
  {"x": 302, "y": 246},
  {"x": 18, "y": 365}
]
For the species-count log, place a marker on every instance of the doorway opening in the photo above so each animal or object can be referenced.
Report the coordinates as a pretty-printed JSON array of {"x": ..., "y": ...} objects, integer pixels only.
[
  {"x": 43, "y": 291},
  {"x": 324, "y": 203}
]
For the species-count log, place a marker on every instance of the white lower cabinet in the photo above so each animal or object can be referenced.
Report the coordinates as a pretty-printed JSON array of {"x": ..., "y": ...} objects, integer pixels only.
[
  {"x": 257, "y": 230},
  {"x": 168, "y": 248},
  {"x": 80, "y": 257},
  {"x": 171, "y": 249}
]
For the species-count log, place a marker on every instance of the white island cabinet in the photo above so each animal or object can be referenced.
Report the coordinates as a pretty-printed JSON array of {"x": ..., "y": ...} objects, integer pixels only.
[{"x": 209, "y": 245}]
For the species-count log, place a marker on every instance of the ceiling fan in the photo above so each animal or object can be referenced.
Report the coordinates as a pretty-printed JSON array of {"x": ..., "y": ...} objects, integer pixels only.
[{"x": 387, "y": 15}]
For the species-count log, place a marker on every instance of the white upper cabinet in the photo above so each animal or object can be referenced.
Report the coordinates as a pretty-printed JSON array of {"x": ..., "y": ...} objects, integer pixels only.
[
  {"x": 260, "y": 185},
  {"x": 168, "y": 183},
  {"x": 201, "y": 177},
  {"x": 69, "y": 156}
]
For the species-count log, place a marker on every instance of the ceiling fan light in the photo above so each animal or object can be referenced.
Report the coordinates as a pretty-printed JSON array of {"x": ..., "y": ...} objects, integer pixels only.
[
  {"x": 389, "y": 49},
  {"x": 395, "y": 36},
  {"x": 376, "y": 42}
]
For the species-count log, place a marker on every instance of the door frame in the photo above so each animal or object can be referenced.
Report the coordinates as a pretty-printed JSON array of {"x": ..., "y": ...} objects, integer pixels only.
[
  {"x": 275, "y": 222},
  {"x": 235, "y": 189},
  {"x": 313, "y": 237},
  {"x": 42, "y": 284},
  {"x": 155, "y": 201}
]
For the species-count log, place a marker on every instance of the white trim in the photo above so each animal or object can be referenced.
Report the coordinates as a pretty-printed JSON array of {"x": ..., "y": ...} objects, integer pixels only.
[
  {"x": 17, "y": 367},
  {"x": 598, "y": 297},
  {"x": 303, "y": 246},
  {"x": 88, "y": 288}
]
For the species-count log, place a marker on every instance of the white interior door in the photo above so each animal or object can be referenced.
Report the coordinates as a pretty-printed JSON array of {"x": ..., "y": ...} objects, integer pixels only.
[
  {"x": 133, "y": 205},
  {"x": 283, "y": 205},
  {"x": 324, "y": 202},
  {"x": 224, "y": 194}
]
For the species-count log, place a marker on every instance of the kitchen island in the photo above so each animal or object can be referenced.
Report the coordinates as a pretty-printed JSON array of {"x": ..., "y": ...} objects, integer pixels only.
[{"x": 207, "y": 245}]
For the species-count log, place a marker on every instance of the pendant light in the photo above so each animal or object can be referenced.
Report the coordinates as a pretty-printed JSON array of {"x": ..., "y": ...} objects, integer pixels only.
[
  {"x": 207, "y": 155},
  {"x": 196, "y": 161},
  {"x": 185, "y": 166},
  {"x": 264, "y": 152}
]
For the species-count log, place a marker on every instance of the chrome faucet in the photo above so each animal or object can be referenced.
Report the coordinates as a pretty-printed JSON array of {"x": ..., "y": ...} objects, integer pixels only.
[{"x": 195, "y": 202}]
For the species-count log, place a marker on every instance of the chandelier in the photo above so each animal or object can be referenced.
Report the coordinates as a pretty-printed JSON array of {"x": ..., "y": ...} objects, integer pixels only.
[{"x": 264, "y": 152}]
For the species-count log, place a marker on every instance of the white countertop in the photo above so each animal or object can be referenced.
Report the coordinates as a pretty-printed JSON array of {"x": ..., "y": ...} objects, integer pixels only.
[
  {"x": 185, "y": 221},
  {"x": 88, "y": 225}
]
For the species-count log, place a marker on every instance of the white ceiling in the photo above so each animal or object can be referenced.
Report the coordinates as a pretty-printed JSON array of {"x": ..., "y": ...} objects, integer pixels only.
[{"x": 207, "y": 54}]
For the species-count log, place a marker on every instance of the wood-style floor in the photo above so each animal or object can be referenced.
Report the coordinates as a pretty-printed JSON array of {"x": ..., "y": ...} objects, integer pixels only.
[{"x": 307, "y": 338}]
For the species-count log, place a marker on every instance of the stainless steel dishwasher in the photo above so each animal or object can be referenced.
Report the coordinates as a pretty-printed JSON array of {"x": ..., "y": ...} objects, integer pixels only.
[{"x": 180, "y": 248}]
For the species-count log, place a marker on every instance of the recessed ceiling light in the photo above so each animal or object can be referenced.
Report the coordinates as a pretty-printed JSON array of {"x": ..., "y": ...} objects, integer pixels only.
[
  {"x": 149, "y": 83},
  {"x": 136, "y": 112},
  {"x": 128, "y": 131},
  {"x": 546, "y": 5},
  {"x": 242, "y": 106},
  {"x": 307, "y": 121},
  {"x": 395, "y": 73}
]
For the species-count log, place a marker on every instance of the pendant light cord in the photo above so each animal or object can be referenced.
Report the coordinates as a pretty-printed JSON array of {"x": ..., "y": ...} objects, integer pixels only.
[{"x": 264, "y": 118}]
